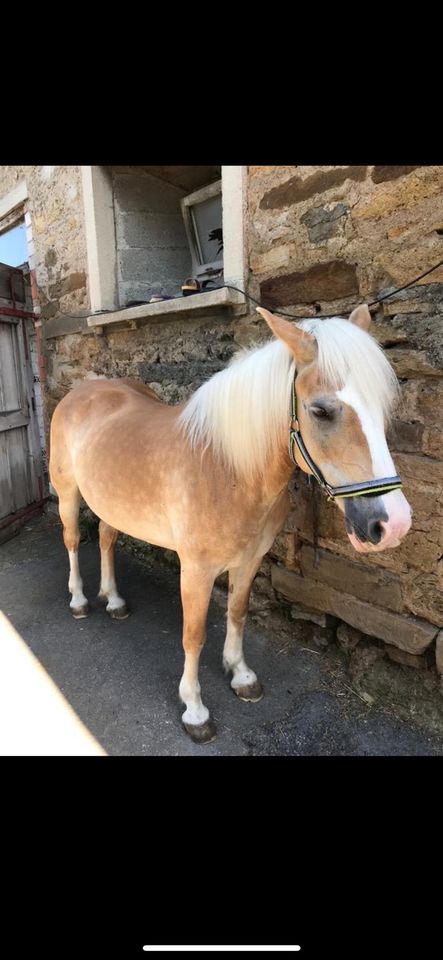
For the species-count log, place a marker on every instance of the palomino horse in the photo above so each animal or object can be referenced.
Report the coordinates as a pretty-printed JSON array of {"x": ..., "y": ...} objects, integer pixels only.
[{"x": 208, "y": 478}]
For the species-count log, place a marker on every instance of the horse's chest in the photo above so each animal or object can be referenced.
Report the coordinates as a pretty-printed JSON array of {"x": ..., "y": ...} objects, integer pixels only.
[{"x": 256, "y": 529}]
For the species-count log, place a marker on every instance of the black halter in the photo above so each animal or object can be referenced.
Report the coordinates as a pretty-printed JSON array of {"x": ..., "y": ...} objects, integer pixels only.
[{"x": 367, "y": 488}]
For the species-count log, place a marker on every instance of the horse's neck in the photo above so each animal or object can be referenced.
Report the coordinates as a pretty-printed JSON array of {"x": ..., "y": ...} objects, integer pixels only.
[
  {"x": 276, "y": 473},
  {"x": 242, "y": 415}
]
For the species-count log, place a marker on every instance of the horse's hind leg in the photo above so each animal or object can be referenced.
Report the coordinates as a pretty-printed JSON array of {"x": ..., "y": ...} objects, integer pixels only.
[
  {"x": 69, "y": 508},
  {"x": 244, "y": 681},
  {"x": 196, "y": 586},
  {"x": 116, "y": 606}
]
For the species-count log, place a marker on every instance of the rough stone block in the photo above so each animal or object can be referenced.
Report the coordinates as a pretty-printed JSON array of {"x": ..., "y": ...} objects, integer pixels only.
[
  {"x": 407, "y": 191},
  {"x": 408, "y": 633},
  {"x": 405, "y": 437},
  {"x": 420, "y": 468},
  {"x": 299, "y": 612},
  {"x": 322, "y": 223},
  {"x": 412, "y": 363},
  {"x": 324, "y": 281},
  {"x": 271, "y": 259},
  {"x": 284, "y": 547},
  {"x": 423, "y": 594},
  {"x": 432, "y": 443},
  {"x": 297, "y": 188},
  {"x": 368, "y": 583},
  {"x": 381, "y": 174},
  {"x": 420, "y": 297},
  {"x": 405, "y": 659},
  {"x": 74, "y": 281}
]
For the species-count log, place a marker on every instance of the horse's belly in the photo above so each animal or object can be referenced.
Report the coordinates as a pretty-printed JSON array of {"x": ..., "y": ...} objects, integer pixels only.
[
  {"x": 142, "y": 521},
  {"x": 124, "y": 481}
]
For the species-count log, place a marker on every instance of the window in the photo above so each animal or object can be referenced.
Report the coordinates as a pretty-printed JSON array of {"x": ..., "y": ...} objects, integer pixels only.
[
  {"x": 148, "y": 229},
  {"x": 13, "y": 250},
  {"x": 203, "y": 217}
]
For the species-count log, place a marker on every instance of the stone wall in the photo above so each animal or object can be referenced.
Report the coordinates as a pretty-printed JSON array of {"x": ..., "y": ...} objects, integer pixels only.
[
  {"x": 55, "y": 205},
  {"x": 56, "y": 244},
  {"x": 320, "y": 241},
  {"x": 173, "y": 356}
]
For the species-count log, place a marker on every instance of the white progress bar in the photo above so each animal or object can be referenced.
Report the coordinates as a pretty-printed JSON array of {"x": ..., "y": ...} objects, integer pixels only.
[{"x": 200, "y": 949}]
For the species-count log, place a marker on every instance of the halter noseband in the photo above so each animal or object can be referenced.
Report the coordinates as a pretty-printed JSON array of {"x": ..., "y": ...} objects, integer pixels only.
[{"x": 367, "y": 488}]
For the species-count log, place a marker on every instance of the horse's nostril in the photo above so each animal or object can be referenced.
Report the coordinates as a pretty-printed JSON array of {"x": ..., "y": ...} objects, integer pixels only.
[{"x": 375, "y": 531}]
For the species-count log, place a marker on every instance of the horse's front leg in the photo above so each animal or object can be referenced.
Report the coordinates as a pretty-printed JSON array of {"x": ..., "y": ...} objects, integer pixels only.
[
  {"x": 244, "y": 681},
  {"x": 196, "y": 586}
]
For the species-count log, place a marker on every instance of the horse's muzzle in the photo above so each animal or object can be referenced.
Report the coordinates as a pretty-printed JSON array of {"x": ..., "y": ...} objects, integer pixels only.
[{"x": 377, "y": 523}]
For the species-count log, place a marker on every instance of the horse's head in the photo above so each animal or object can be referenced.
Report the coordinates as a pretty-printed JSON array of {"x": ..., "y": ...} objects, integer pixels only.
[{"x": 345, "y": 389}]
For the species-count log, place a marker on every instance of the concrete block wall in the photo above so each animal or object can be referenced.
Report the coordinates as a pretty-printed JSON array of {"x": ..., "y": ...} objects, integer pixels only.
[{"x": 153, "y": 255}]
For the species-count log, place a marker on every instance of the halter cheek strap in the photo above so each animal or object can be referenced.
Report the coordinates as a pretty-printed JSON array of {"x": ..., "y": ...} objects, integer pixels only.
[{"x": 365, "y": 489}]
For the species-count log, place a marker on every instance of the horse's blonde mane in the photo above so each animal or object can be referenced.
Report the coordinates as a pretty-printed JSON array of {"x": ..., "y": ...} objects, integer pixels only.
[{"x": 242, "y": 411}]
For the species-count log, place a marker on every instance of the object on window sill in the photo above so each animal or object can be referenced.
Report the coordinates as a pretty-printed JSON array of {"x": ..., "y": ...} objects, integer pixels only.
[
  {"x": 199, "y": 285},
  {"x": 155, "y": 299},
  {"x": 209, "y": 275},
  {"x": 190, "y": 286}
]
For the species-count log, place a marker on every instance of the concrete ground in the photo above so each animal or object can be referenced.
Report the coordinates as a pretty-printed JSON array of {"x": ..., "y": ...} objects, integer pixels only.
[{"x": 121, "y": 677}]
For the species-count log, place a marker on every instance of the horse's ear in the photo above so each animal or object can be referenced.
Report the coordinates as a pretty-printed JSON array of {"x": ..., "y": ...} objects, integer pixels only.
[
  {"x": 301, "y": 343},
  {"x": 361, "y": 317}
]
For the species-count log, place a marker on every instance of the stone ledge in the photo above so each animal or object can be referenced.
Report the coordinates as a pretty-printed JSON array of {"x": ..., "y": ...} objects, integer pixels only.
[
  {"x": 407, "y": 633},
  {"x": 170, "y": 309}
]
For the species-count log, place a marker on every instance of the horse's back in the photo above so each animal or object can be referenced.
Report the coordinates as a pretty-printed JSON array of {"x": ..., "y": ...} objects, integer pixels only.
[
  {"x": 110, "y": 392},
  {"x": 138, "y": 387},
  {"x": 94, "y": 401},
  {"x": 95, "y": 408}
]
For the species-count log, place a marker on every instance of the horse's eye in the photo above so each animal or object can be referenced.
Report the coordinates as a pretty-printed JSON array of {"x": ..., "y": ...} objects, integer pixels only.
[{"x": 321, "y": 413}]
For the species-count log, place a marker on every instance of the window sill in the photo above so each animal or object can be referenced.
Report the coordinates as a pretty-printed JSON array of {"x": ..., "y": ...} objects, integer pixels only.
[{"x": 171, "y": 309}]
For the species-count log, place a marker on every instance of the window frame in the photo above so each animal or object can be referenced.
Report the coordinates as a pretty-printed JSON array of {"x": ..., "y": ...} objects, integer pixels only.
[{"x": 200, "y": 268}]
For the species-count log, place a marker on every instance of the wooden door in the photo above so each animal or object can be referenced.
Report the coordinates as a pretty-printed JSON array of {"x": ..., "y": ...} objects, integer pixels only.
[{"x": 18, "y": 479}]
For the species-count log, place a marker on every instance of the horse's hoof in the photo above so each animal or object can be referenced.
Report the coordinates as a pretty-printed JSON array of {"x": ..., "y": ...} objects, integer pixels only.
[
  {"x": 250, "y": 694},
  {"x": 201, "y": 733},
  {"x": 118, "y": 613},
  {"x": 79, "y": 612}
]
